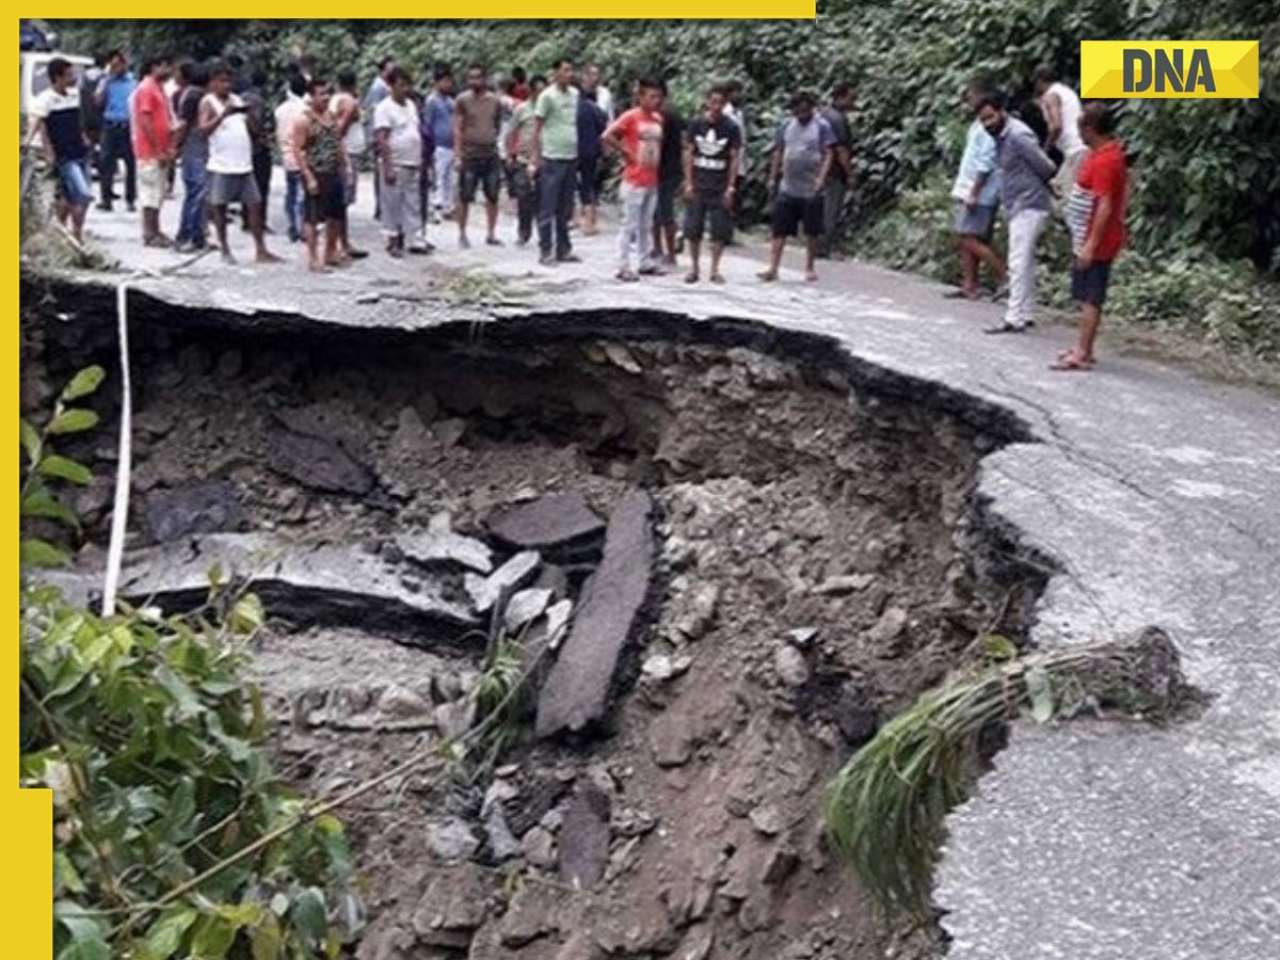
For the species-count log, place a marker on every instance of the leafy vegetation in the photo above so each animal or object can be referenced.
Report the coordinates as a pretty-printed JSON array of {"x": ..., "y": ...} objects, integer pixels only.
[
  {"x": 885, "y": 808},
  {"x": 173, "y": 835}
]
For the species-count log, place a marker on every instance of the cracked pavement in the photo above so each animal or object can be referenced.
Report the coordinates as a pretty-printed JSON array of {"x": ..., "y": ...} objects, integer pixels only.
[{"x": 1156, "y": 493}]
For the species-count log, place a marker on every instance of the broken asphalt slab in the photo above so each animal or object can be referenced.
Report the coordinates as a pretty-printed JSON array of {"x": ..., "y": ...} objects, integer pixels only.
[
  {"x": 298, "y": 582},
  {"x": 575, "y": 695},
  {"x": 555, "y": 520},
  {"x": 1155, "y": 494}
]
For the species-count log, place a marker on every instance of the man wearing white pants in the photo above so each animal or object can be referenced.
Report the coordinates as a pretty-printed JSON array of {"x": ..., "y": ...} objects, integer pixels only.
[
  {"x": 637, "y": 135},
  {"x": 1025, "y": 172},
  {"x": 438, "y": 108},
  {"x": 1025, "y": 228},
  {"x": 638, "y": 206}
]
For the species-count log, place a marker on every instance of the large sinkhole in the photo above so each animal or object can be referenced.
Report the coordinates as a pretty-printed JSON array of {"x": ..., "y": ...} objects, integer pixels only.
[{"x": 725, "y": 554}]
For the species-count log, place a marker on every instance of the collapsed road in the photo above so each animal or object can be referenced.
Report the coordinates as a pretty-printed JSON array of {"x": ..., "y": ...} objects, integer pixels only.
[{"x": 772, "y": 531}]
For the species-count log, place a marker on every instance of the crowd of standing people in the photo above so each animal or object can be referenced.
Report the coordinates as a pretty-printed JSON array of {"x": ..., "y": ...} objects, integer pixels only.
[{"x": 546, "y": 140}]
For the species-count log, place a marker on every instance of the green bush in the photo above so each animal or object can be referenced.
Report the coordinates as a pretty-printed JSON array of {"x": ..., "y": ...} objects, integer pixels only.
[
  {"x": 172, "y": 835},
  {"x": 1220, "y": 302}
]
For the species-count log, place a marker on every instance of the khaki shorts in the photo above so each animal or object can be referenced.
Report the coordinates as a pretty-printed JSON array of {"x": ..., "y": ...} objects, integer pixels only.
[{"x": 153, "y": 183}]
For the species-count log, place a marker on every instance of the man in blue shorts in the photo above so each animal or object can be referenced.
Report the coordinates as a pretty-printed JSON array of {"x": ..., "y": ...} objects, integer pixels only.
[
  {"x": 56, "y": 115},
  {"x": 975, "y": 195}
]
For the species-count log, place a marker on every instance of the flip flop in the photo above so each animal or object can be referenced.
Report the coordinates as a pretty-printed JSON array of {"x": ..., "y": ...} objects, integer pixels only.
[
  {"x": 1070, "y": 363},
  {"x": 959, "y": 295}
]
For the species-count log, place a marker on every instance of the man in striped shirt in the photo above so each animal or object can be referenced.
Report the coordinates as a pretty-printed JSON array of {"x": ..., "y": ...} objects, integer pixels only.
[{"x": 1095, "y": 215}]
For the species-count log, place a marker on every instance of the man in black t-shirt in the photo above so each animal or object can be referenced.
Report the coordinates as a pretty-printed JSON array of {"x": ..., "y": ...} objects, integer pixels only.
[
  {"x": 669, "y": 176},
  {"x": 841, "y": 170},
  {"x": 711, "y": 150}
]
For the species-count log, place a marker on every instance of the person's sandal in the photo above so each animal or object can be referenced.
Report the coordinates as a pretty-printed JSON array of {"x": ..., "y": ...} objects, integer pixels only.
[
  {"x": 627, "y": 276},
  {"x": 1069, "y": 362},
  {"x": 690, "y": 277}
]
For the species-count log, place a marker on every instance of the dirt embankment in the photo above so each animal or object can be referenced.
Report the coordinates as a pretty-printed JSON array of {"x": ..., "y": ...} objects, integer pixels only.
[{"x": 806, "y": 555}]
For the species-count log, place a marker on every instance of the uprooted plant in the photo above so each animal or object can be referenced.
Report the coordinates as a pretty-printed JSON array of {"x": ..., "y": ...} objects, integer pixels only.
[{"x": 885, "y": 808}]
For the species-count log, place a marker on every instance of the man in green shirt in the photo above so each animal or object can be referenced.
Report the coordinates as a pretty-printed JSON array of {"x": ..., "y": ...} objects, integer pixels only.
[{"x": 553, "y": 159}]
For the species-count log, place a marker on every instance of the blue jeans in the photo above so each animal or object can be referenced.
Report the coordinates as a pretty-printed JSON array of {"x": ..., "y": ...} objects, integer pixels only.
[
  {"x": 195, "y": 183},
  {"x": 73, "y": 179},
  {"x": 294, "y": 196},
  {"x": 556, "y": 182}
]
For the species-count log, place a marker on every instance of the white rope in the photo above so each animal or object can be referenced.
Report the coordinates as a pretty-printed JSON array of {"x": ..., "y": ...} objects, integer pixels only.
[{"x": 120, "y": 511}]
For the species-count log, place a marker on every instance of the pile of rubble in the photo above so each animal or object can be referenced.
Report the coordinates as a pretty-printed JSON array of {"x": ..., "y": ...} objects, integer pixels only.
[{"x": 721, "y": 569}]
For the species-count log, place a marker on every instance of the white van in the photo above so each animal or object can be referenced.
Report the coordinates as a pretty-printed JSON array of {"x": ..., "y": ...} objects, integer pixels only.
[{"x": 33, "y": 75}]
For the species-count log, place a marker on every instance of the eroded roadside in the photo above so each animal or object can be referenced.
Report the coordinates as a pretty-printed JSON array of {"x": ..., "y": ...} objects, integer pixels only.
[{"x": 817, "y": 559}]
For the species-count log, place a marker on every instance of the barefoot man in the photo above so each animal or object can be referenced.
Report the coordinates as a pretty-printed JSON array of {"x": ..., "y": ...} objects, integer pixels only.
[
  {"x": 224, "y": 122},
  {"x": 322, "y": 160},
  {"x": 803, "y": 152}
]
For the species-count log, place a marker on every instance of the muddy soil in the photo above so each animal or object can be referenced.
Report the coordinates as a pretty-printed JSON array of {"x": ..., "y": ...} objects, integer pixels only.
[{"x": 821, "y": 559}]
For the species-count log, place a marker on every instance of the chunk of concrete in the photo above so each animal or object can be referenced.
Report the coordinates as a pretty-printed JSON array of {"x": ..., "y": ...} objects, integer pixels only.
[
  {"x": 209, "y": 506},
  {"x": 433, "y": 546},
  {"x": 317, "y": 464},
  {"x": 451, "y": 839},
  {"x": 576, "y": 692},
  {"x": 332, "y": 420},
  {"x": 301, "y": 583},
  {"x": 550, "y": 521},
  {"x": 524, "y": 606},
  {"x": 557, "y": 620},
  {"x": 584, "y": 836},
  {"x": 453, "y": 905},
  {"x": 791, "y": 666},
  {"x": 512, "y": 575}
]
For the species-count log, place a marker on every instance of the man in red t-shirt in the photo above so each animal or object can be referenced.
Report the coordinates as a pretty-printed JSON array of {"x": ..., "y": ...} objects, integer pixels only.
[
  {"x": 637, "y": 135},
  {"x": 151, "y": 123},
  {"x": 1095, "y": 215}
]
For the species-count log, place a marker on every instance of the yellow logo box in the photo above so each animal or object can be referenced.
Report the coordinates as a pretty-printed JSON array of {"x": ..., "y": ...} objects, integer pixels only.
[{"x": 1169, "y": 69}]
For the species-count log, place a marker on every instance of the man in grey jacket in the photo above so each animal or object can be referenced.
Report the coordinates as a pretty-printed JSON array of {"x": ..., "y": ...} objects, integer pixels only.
[{"x": 1025, "y": 172}]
